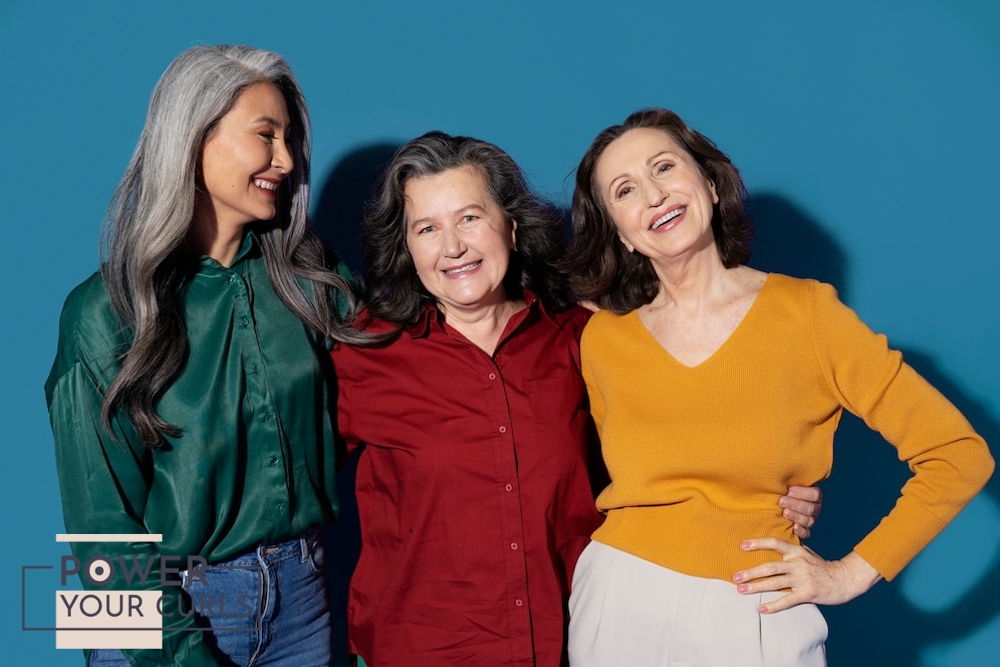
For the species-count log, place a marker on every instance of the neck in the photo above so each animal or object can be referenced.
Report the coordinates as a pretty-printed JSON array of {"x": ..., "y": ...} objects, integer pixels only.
[
  {"x": 482, "y": 326},
  {"x": 219, "y": 242},
  {"x": 691, "y": 281}
]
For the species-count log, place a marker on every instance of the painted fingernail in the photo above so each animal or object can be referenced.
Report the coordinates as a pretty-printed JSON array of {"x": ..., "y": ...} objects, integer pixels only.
[
  {"x": 743, "y": 588},
  {"x": 738, "y": 577},
  {"x": 745, "y": 545},
  {"x": 762, "y": 609}
]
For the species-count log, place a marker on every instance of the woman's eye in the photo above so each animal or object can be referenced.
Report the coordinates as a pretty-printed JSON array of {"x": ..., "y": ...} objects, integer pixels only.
[
  {"x": 425, "y": 230},
  {"x": 267, "y": 136},
  {"x": 624, "y": 191},
  {"x": 666, "y": 166},
  {"x": 468, "y": 218}
]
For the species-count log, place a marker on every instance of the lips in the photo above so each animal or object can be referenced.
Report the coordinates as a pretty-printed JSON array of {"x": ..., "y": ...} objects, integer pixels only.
[
  {"x": 666, "y": 217},
  {"x": 464, "y": 268},
  {"x": 269, "y": 186}
]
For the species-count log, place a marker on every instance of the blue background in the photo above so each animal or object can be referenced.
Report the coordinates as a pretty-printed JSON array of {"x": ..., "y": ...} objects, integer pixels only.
[{"x": 867, "y": 133}]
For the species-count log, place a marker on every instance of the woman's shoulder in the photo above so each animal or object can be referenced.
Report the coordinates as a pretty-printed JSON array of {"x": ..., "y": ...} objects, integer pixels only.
[
  {"x": 572, "y": 319},
  {"x": 384, "y": 334},
  {"x": 87, "y": 299},
  {"x": 605, "y": 327},
  {"x": 788, "y": 282},
  {"x": 609, "y": 320},
  {"x": 88, "y": 325}
]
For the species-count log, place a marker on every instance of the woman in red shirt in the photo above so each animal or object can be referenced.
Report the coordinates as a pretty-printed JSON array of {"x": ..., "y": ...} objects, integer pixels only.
[{"x": 473, "y": 488}]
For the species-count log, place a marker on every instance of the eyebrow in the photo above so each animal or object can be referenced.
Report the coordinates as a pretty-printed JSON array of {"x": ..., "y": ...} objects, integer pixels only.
[
  {"x": 274, "y": 122},
  {"x": 661, "y": 154},
  {"x": 649, "y": 161},
  {"x": 457, "y": 212}
]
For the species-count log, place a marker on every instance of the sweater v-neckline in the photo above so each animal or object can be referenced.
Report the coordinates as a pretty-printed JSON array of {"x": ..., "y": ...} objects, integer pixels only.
[{"x": 717, "y": 351}]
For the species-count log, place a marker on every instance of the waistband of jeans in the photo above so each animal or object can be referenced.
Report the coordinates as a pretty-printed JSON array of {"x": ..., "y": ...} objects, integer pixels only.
[{"x": 301, "y": 546}]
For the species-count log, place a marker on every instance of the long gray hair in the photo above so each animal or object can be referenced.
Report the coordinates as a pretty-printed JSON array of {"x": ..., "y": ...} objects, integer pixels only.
[{"x": 152, "y": 210}]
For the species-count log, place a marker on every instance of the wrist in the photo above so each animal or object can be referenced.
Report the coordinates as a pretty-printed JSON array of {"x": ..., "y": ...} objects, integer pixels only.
[{"x": 860, "y": 572}]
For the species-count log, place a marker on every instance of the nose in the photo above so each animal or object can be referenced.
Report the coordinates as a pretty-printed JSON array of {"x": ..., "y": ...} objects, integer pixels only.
[
  {"x": 281, "y": 158},
  {"x": 454, "y": 245},
  {"x": 655, "y": 192}
]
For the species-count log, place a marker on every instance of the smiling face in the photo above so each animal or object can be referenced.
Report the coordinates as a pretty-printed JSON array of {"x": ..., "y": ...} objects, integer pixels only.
[
  {"x": 460, "y": 240},
  {"x": 657, "y": 195},
  {"x": 244, "y": 160}
]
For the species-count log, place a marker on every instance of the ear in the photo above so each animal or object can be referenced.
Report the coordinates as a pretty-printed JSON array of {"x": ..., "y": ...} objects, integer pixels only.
[
  {"x": 715, "y": 195},
  {"x": 628, "y": 246},
  {"x": 513, "y": 234}
]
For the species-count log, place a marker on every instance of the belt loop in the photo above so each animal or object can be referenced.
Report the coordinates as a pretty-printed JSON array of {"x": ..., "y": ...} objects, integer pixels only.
[{"x": 304, "y": 546}]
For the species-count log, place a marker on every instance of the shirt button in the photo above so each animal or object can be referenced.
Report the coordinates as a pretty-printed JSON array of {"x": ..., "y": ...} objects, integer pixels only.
[
  {"x": 282, "y": 507},
  {"x": 509, "y": 487},
  {"x": 503, "y": 429},
  {"x": 232, "y": 278},
  {"x": 519, "y": 602},
  {"x": 244, "y": 321},
  {"x": 273, "y": 461},
  {"x": 492, "y": 376},
  {"x": 513, "y": 546},
  {"x": 266, "y": 416},
  {"x": 254, "y": 369}
]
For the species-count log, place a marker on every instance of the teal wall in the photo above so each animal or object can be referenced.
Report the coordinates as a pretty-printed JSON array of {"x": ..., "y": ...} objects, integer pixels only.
[{"x": 867, "y": 133}]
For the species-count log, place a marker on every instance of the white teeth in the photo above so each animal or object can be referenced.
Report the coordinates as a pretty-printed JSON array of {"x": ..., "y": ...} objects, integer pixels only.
[
  {"x": 659, "y": 222},
  {"x": 267, "y": 185},
  {"x": 463, "y": 269}
]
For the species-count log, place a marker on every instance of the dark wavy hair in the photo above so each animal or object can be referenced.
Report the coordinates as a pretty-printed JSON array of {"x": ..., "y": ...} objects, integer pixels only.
[
  {"x": 600, "y": 267},
  {"x": 396, "y": 293}
]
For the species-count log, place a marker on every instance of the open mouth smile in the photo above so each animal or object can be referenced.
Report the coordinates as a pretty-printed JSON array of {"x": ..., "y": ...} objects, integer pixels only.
[
  {"x": 465, "y": 268},
  {"x": 667, "y": 217}
]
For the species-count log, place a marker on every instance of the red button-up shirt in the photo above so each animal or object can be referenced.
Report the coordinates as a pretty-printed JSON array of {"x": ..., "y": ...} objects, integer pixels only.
[{"x": 472, "y": 491}]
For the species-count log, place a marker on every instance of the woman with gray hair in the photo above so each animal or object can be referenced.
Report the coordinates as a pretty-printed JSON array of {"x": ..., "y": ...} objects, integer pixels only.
[{"x": 188, "y": 398}]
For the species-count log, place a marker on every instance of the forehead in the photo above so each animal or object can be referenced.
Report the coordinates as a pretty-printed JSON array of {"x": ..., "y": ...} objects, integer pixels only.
[
  {"x": 451, "y": 190},
  {"x": 633, "y": 149},
  {"x": 260, "y": 101}
]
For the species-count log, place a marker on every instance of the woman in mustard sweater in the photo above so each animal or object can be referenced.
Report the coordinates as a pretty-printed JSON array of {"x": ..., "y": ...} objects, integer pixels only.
[{"x": 714, "y": 386}]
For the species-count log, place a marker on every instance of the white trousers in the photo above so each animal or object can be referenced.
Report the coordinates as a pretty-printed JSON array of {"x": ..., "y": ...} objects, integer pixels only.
[{"x": 629, "y": 612}]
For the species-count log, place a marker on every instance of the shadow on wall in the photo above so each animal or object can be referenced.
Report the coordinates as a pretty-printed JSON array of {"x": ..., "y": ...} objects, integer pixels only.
[
  {"x": 339, "y": 212},
  {"x": 341, "y": 204},
  {"x": 882, "y": 627}
]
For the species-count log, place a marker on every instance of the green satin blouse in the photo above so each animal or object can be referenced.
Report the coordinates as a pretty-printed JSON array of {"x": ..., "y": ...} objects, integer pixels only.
[{"x": 254, "y": 461}]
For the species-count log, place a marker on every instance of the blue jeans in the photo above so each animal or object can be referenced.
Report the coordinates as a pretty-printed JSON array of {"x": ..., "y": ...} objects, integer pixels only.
[{"x": 275, "y": 600}]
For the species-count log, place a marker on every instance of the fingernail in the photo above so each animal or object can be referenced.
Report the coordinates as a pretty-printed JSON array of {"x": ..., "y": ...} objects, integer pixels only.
[
  {"x": 782, "y": 502},
  {"x": 738, "y": 577},
  {"x": 762, "y": 609},
  {"x": 743, "y": 588},
  {"x": 745, "y": 545}
]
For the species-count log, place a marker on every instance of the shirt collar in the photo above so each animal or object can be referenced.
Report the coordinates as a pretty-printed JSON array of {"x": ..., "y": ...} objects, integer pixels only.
[
  {"x": 249, "y": 249},
  {"x": 433, "y": 315}
]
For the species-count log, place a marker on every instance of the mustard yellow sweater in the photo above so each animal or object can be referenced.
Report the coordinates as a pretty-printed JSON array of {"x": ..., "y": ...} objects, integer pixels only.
[{"x": 699, "y": 456}]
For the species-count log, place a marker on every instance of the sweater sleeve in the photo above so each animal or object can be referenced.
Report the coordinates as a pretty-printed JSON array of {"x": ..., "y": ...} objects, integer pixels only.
[
  {"x": 950, "y": 462},
  {"x": 104, "y": 486}
]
